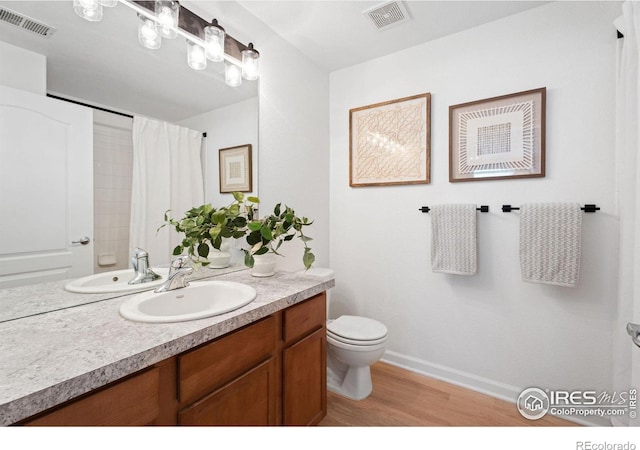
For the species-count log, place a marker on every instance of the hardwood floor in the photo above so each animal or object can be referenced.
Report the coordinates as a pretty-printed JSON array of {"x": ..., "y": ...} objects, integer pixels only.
[{"x": 404, "y": 398}]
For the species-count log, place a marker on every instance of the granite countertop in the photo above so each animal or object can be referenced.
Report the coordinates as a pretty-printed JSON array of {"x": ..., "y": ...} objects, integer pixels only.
[{"x": 49, "y": 358}]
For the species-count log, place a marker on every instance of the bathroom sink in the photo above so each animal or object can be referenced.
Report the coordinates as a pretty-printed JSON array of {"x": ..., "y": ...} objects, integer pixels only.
[
  {"x": 114, "y": 281},
  {"x": 198, "y": 300}
]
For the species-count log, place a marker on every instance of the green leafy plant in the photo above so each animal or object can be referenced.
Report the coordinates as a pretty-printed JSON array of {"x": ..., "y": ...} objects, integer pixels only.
[
  {"x": 205, "y": 226},
  {"x": 269, "y": 233}
]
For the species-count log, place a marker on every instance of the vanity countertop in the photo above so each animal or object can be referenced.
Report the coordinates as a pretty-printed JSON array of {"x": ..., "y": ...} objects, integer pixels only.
[{"x": 47, "y": 359}]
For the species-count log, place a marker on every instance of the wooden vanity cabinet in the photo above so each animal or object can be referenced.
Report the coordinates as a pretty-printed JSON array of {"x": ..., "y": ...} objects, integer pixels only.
[
  {"x": 304, "y": 375},
  {"x": 132, "y": 401},
  {"x": 271, "y": 372},
  {"x": 232, "y": 380}
]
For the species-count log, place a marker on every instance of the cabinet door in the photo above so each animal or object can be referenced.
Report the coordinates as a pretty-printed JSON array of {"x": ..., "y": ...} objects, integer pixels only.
[
  {"x": 134, "y": 401},
  {"x": 247, "y": 400},
  {"x": 305, "y": 380}
]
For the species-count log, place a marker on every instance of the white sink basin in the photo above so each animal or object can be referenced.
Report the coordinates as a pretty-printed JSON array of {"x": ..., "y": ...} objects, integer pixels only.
[
  {"x": 198, "y": 300},
  {"x": 114, "y": 281}
]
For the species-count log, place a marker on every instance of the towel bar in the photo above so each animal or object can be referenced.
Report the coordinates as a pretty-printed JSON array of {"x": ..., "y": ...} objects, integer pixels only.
[
  {"x": 483, "y": 208},
  {"x": 589, "y": 208}
]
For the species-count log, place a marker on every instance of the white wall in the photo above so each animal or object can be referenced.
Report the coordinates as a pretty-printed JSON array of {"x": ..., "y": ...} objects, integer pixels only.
[
  {"x": 231, "y": 126},
  {"x": 23, "y": 69},
  {"x": 490, "y": 331}
]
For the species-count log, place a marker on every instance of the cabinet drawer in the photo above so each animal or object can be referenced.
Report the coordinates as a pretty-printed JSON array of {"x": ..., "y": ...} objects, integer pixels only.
[
  {"x": 206, "y": 368},
  {"x": 134, "y": 401},
  {"x": 305, "y": 317},
  {"x": 247, "y": 400}
]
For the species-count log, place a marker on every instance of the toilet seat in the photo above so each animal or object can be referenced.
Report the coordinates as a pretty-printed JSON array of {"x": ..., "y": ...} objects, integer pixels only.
[
  {"x": 354, "y": 342},
  {"x": 356, "y": 330}
]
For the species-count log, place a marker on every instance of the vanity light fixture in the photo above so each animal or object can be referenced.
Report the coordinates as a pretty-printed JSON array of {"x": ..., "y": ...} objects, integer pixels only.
[
  {"x": 196, "y": 57},
  {"x": 232, "y": 74},
  {"x": 250, "y": 58},
  {"x": 167, "y": 17},
  {"x": 90, "y": 10},
  {"x": 214, "y": 41},
  {"x": 205, "y": 40},
  {"x": 148, "y": 35}
]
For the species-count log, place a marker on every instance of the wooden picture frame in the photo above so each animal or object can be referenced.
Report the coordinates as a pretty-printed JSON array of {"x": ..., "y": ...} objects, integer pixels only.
[
  {"x": 498, "y": 138},
  {"x": 390, "y": 142},
  {"x": 235, "y": 169}
]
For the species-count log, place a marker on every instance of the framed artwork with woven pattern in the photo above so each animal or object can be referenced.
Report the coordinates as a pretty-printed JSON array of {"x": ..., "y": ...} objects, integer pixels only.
[
  {"x": 498, "y": 138},
  {"x": 389, "y": 142}
]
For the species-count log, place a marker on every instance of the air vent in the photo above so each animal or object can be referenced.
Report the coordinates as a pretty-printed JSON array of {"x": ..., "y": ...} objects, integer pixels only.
[
  {"x": 388, "y": 14},
  {"x": 26, "y": 23}
]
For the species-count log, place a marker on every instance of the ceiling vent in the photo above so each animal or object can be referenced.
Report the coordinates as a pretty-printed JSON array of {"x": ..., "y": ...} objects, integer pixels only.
[
  {"x": 388, "y": 14},
  {"x": 26, "y": 23}
]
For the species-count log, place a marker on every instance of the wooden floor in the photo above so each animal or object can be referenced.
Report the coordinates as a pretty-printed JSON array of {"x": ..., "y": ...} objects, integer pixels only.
[{"x": 404, "y": 398}]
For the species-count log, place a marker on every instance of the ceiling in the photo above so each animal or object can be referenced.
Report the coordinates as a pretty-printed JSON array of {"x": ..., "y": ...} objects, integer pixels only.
[
  {"x": 336, "y": 34},
  {"x": 102, "y": 62}
]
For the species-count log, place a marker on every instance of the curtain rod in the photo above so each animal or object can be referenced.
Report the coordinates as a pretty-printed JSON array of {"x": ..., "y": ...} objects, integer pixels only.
[
  {"x": 89, "y": 106},
  {"x": 204, "y": 134}
]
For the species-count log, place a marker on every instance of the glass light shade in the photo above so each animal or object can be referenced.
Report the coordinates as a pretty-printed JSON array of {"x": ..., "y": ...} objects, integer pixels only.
[
  {"x": 108, "y": 3},
  {"x": 250, "y": 63},
  {"x": 196, "y": 57},
  {"x": 148, "y": 36},
  {"x": 232, "y": 75},
  {"x": 88, "y": 9},
  {"x": 167, "y": 16},
  {"x": 214, "y": 42}
]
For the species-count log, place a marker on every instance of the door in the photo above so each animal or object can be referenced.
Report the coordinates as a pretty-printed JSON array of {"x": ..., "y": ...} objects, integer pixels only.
[{"x": 46, "y": 189}]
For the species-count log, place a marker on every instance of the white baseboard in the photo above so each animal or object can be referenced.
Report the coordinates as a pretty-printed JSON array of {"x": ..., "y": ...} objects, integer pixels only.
[{"x": 470, "y": 381}]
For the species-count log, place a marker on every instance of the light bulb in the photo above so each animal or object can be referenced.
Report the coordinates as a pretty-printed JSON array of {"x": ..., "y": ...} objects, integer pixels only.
[
  {"x": 167, "y": 16},
  {"x": 196, "y": 57},
  {"x": 88, "y": 9},
  {"x": 232, "y": 75},
  {"x": 147, "y": 34},
  {"x": 214, "y": 41},
  {"x": 250, "y": 58}
]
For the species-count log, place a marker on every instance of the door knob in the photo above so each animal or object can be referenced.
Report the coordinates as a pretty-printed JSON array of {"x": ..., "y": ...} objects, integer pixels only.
[
  {"x": 84, "y": 240},
  {"x": 634, "y": 331}
]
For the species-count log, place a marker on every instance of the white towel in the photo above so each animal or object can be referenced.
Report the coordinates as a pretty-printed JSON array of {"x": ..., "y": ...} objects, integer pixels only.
[
  {"x": 453, "y": 239},
  {"x": 550, "y": 235}
]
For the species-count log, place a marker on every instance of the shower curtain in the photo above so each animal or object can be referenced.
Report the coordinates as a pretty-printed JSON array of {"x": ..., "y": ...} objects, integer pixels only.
[
  {"x": 626, "y": 356},
  {"x": 167, "y": 175}
]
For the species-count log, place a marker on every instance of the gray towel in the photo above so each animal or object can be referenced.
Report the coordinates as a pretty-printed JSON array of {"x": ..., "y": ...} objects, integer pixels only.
[
  {"x": 453, "y": 239},
  {"x": 550, "y": 235}
]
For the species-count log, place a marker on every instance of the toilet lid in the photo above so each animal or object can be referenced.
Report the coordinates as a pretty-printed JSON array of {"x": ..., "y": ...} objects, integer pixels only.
[{"x": 357, "y": 328}]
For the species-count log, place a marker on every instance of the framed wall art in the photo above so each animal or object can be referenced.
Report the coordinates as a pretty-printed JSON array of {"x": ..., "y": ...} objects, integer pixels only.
[
  {"x": 235, "y": 169},
  {"x": 389, "y": 142},
  {"x": 498, "y": 138}
]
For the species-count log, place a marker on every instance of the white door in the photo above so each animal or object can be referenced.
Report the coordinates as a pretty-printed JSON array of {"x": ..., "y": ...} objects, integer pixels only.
[{"x": 46, "y": 189}]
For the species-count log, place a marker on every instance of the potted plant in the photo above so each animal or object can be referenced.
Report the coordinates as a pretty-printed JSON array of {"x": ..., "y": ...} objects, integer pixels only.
[
  {"x": 204, "y": 227},
  {"x": 267, "y": 234}
]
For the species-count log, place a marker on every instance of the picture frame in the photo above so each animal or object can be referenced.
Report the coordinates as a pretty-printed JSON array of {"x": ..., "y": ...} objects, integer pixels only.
[
  {"x": 498, "y": 138},
  {"x": 390, "y": 142},
  {"x": 236, "y": 169}
]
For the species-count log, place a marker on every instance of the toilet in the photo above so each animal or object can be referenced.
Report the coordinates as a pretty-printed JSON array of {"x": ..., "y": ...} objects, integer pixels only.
[{"x": 353, "y": 344}]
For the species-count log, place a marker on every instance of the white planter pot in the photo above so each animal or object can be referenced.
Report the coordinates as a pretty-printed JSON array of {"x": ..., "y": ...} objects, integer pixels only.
[
  {"x": 218, "y": 259},
  {"x": 264, "y": 265}
]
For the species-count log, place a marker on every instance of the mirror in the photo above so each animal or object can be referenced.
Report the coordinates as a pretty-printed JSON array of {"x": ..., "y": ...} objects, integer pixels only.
[{"x": 102, "y": 64}]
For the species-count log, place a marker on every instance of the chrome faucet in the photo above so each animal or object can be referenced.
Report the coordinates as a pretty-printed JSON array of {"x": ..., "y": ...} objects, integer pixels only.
[
  {"x": 143, "y": 273},
  {"x": 178, "y": 273}
]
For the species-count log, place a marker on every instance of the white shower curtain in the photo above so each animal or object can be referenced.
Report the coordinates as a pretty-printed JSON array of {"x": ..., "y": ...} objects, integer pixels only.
[
  {"x": 626, "y": 355},
  {"x": 167, "y": 175}
]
